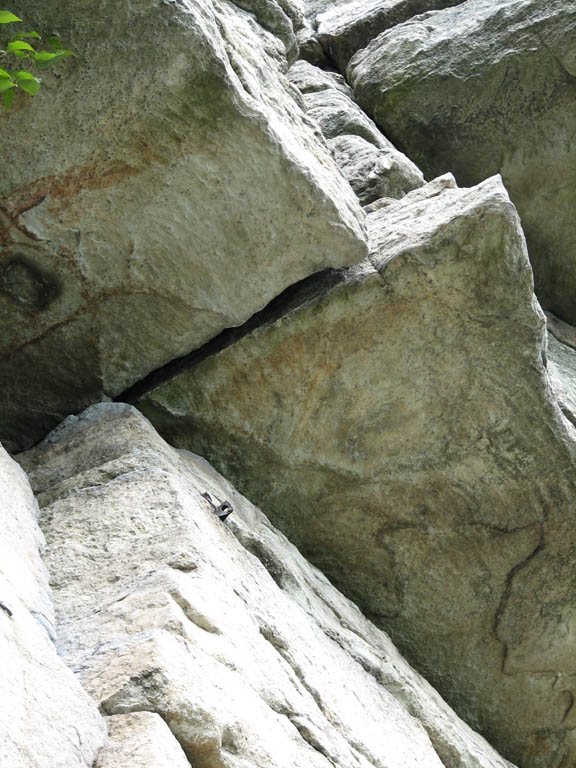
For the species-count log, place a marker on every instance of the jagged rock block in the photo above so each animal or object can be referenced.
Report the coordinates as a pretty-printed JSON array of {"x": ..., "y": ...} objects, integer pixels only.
[
  {"x": 485, "y": 88},
  {"x": 140, "y": 740},
  {"x": 346, "y": 27},
  {"x": 401, "y": 429},
  {"x": 371, "y": 163}
]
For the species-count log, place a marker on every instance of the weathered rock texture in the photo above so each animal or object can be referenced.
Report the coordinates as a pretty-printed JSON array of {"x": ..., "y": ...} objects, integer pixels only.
[
  {"x": 488, "y": 88},
  {"x": 165, "y": 186},
  {"x": 372, "y": 165},
  {"x": 140, "y": 740},
  {"x": 562, "y": 373},
  {"x": 46, "y": 719},
  {"x": 246, "y": 652},
  {"x": 344, "y": 28},
  {"x": 402, "y": 432}
]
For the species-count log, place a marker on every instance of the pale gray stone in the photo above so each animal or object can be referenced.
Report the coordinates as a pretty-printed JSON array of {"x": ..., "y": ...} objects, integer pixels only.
[
  {"x": 488, "y": 87},
  {"x": 46, "y": 719},
  {"x": 337, "y": 114},
  {"x": 562, "y": 372},
  {"x": 403, "y": 432},
  {"x": 344, "y": 28},
  {"x": 309, "y": 79},
  {"x": 246, "y": 651},
  {"x": 374, "y": 172},
  {"x": 371, "y": 163},
  {"x": 140, "y": 740},
  {"x": 164, "y": 186}
]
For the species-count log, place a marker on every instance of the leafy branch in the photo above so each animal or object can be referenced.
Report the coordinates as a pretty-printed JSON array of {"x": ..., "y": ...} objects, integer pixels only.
[{"x": 19, "y": 47}]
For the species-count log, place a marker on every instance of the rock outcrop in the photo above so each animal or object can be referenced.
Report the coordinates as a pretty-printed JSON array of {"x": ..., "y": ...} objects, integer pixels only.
[
  {"x": 485, "y": 88},
  {"x": 344, "y": 28},
  {"x": 401, "y": 430},
  {"x": 222, "y": 631},
  {"x": 371, "y": 163},
  {"x": 46, "y": 719},
  {"x": 171, "y": 157}
]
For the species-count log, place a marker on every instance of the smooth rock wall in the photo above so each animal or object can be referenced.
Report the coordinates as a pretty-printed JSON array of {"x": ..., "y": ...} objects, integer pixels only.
[{"x": 46, "y": 719}]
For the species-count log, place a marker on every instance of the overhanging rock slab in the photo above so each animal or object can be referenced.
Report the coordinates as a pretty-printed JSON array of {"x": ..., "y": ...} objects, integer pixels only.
[{"x": 162, "y": 186}]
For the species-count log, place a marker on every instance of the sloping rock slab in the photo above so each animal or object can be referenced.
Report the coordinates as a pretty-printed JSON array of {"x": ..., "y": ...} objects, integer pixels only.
[
  {"x": 401, "y": 430},
  {"x": 246, "y": 651},
  {"x": 488, "y": 88},
  {"x": 46, "y": 719},
  {"x": 164, "y": 186}
]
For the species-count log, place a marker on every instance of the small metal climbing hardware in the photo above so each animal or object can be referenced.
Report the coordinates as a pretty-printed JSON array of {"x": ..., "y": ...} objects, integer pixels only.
[{"x": 222, "y": 510}]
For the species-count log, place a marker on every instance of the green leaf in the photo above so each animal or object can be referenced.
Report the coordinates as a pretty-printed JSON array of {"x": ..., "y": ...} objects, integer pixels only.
[
  {"x": 22, "y": 35},
  {"x": 45, "y": 56},
  {"x": 6, "y": 84},
  {"x": 7, "y": 18},
  {"x": 22, "y": 74},
  {"x": 21, "y": 54},
  {"x": 55, "y": 42},
  {"x": 46, "y": 59},
  {"x": 19, "y": 45},
  {"x": 8, "y": 98},
  {"x": 30, "y": 86},
  {"x": 3, "y": 73}
]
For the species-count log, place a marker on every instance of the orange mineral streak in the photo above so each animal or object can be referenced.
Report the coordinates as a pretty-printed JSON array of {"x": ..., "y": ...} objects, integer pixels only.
[{"x": 64, "y": 188}]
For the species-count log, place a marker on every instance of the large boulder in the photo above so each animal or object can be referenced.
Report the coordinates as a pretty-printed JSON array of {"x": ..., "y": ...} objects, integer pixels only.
[
  {"x": 167, "y": 157},
  {"x": 400, "y": 428},
  {"x": 46, "y": 719},
  {"x": 248, "y": 653},
  {"x": 488, "y": 88}
]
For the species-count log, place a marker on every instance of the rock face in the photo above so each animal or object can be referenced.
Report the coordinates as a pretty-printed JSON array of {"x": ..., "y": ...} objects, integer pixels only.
[
  {"x": 170, "y": 156},
  {"x": 488, "y": 88},
  {"x": 401, "y": 430},
  {"x": 224, "y": 631},
  {"x": 562, "y": 373},
  {"x": 140, "y": 739},
  {"x": 371, "y": 163},
  {"x": 46, "y": 719},
  {"x": 342, "y": 29}
]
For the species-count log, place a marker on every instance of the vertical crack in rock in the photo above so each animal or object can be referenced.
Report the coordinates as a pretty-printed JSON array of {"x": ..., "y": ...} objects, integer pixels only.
[{"x": 512, "y": 574}]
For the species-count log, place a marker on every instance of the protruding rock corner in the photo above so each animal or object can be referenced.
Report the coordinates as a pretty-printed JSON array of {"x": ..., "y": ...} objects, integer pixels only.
[{"x": 289, "y": 383}]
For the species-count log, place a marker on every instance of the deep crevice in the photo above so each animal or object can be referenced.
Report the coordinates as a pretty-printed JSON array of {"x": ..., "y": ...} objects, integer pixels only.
[{"x": 292, "y": 298}]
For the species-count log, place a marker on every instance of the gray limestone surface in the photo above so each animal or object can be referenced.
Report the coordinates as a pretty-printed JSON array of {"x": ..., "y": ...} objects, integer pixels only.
[
  {"x": 223, "y": 630},
  {"x": 483, "y": 88},
  {"x": 402, "y": 431},
  {"x": 164, "y": 186}
]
